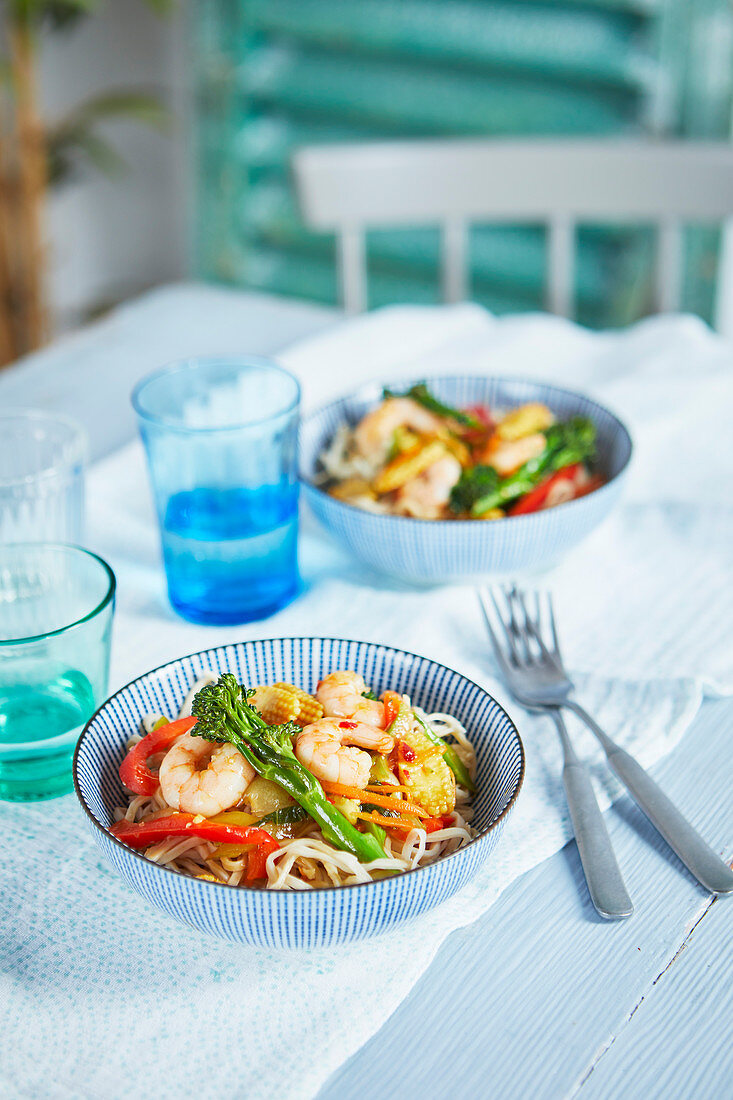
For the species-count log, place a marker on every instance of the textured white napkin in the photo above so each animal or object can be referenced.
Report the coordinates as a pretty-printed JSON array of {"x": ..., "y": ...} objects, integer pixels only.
[{"x": 644, "y": 609}]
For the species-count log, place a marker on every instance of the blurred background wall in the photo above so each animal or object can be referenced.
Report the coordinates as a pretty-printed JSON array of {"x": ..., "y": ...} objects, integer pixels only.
[
  {"x": 246, "y": 81},
  {"x": 111, "y": 237}
]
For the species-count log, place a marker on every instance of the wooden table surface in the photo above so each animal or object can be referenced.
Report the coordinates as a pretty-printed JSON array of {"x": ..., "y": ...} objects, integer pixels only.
[{"x": 539, "y": 998}]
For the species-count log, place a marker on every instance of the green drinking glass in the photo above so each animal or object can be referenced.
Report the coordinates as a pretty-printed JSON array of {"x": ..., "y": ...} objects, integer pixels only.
[{"x": 56, "y": 607}]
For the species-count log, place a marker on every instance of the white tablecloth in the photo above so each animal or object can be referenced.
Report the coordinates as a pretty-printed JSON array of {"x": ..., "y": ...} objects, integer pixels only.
[{"x": 644, "y": 608}]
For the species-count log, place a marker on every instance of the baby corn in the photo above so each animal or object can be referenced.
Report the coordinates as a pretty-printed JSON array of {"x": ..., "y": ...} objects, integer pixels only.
[
  {"x": 525, "y": 420},
  {"x": 281, "y": 703},
  {"x": 352, "y": 488},
  {"x": 456, "y": 446},
  {"x": 310, "y": 709},
  {"x": 408, "y": 465}
]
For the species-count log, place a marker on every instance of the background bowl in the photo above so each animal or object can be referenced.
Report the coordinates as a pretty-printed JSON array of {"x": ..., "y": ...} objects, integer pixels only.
[
  {"x": 316, "y": 918},
  {"x": 435, "y": 551}
]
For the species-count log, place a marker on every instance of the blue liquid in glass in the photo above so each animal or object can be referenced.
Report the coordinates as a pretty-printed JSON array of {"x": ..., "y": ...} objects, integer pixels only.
[{"x": 231, "y": 554}]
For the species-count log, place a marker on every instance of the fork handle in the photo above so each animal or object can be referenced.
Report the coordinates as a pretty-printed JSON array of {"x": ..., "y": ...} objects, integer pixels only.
[
  {"x": 605, "y": 884},
  {"x": 699, "y": 858}
]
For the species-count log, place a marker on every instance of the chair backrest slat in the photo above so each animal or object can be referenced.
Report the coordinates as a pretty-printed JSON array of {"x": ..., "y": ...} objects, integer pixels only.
[
  {"x": 561, "y": 267},
  {"x": 669, "y": 266},
  {"x": 454, "y": 260},
  {"x": 352, "y": 269},
  {"x": 351, "y": 188}
]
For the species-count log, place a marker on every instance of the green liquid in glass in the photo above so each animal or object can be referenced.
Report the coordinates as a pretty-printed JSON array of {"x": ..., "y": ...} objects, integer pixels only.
[{"x": 35, "y": 756}]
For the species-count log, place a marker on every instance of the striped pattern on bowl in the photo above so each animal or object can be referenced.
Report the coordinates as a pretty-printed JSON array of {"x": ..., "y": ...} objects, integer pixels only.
[
  {"x": 435, "y": 551},
  {"x": 306, "y": 919}
]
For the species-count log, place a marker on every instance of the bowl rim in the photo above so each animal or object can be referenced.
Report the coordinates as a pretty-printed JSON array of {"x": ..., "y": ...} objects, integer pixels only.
[
  {"x": 462, "y": 524},
  {"x": 327, "y": 889}
]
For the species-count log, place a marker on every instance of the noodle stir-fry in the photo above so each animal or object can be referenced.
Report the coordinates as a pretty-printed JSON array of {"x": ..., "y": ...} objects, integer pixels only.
[
  {"x": 279, "y": 789},
  {"x": 414, "y": 456}
]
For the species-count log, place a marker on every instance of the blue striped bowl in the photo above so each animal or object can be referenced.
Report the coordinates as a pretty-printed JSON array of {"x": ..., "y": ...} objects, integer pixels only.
[
  {"x": 436, "y": 551},
  {"x": 317, "y": 918}
]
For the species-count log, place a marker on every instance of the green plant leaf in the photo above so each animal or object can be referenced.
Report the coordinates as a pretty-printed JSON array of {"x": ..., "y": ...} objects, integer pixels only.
[
  {"x": 68, "y": 150},
  {"x": 160, "y": 7},
  {"x": 76, "y": 139},
  {"x": 60, "y": 14},
  {"x": 137, "y": 106},
  {"x": 63, "y": 14}
]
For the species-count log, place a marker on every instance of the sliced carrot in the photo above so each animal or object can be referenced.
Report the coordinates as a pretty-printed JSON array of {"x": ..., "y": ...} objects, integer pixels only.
[
  {"x": 375, "y": 799},
  {"x": 393, "y": 788},
  {"x": 392, "y": 702},
  {"x": 386, "y": 822}
]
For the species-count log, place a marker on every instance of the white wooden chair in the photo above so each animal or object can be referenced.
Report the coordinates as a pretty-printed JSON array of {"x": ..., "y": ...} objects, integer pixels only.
[{"x": 352, "y": 188}]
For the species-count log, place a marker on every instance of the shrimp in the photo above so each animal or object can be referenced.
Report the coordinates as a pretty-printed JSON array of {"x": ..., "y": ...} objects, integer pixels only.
[
  {"x": 327, "y": 748},
  {"x": 426, "y": 496},
  {"x": 341, "y": 696},
  {"x": 373, "y": 435},
  {"x": 507, "y": 455},
  {"x": 201, "y": 777}
]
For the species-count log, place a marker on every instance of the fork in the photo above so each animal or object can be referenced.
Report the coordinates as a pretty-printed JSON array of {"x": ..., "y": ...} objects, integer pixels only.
[
  {"x": 529, "y": 682},
  {"x": 534, "y": 672}
]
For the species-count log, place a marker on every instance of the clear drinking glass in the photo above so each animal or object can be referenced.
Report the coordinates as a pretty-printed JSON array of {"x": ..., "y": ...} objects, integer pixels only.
[
  {"x": 42, "y": 460},
  {"x": 56, "y": 606},
  {"x": 221, "y": 441}
]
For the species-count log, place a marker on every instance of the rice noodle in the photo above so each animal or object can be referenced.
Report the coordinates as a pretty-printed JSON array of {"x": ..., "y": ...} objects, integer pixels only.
[
  {"x": 340, "y": 461},
  {"x": 325, "y": 865}
]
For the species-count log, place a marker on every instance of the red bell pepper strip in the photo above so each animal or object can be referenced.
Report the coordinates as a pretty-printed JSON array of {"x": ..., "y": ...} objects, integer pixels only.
[
  {"x": 140, "y": 834},
  {"x": 257, "y": 860},
  {"x": 535, "y": 498},
  {"x": 482, "y": 413},
  {"x": 134, "y": 770},
  {"x": 432, "y": 824}
]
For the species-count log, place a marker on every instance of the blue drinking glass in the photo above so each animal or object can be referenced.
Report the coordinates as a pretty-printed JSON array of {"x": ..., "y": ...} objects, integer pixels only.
[{"x": 221, "y": 442}]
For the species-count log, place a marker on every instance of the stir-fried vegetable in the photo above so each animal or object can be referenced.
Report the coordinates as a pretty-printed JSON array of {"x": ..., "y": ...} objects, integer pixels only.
[
  {"x": 288, "y": 815},
  {"x": 566, "y": 444},
  {"x": 535, "y": 499},
  {"x": 408, "y": 465},
  {"x": 475, "y": 483},
  {"x": 380, "y": 770},
  {"x": 286, "y": 823},
  {"x": 420, "y": 764},
  {"x": 134, "y": 770},
  {"x": 386, "y": 822},
  {"x": 349, "y": 807},
  {"x": 422, "y": 395},
  {"x": 450, "y": 756},
  {"x": 375, "y": 830},
  {"x": 140, "y": 834},
  {"x": 224, "y": 715},
  {"x": 529, "y": 418},
  {"x": 264, "y": 796},
  {"x": 398, "y": 805}
]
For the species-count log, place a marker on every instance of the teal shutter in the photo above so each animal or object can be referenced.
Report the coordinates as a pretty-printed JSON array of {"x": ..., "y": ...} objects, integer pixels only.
[{"x": 274, "y": 74}]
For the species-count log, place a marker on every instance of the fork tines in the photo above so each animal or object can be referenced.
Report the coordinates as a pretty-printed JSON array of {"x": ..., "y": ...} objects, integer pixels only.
[{"x": 526, "y": 624}]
